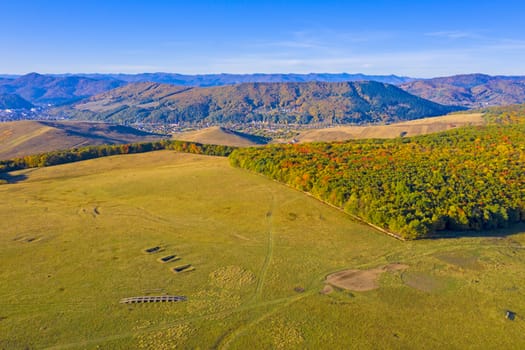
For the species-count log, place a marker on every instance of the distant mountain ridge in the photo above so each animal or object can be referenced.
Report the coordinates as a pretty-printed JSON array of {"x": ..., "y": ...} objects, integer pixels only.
[
  {"x": 46, "y": 89},
  {"x": 470, "y": 90},
  {"x": 312, "y": 102},
  {"x": 467, "y": 90},
  {"x": 204, "y": 80}
]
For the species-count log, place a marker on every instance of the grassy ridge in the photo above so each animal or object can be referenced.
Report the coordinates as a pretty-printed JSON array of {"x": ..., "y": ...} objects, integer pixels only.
[
  {"x": 402, "y": 129},
  {"x": 21, "y": 138},
  {"x": 465, "y": 179},
  {"x": 90, "y": 152}
]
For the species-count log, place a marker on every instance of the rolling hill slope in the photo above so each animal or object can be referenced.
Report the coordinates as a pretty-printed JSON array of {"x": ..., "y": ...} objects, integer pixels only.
[
  {"x": 217, "y": 135},
  {"x": 470, "y": 90},
  {"x": 30, "y": 137},
  {"x": 314, "y": 102},
  {"x": 409, "y": 128}
]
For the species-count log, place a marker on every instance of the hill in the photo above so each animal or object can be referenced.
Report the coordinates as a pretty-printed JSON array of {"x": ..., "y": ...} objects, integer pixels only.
[
  {"x": 217, "y": 135},
  {"x": 46, "y": 89},
  {"x": 303, "y": 103},
  {"x": 73, "y": 245},
  {"x": 231, "y": 79},
  {"x": 470, "y": 90},
  {"x": 512, "y": 114},
  {"x": 30, "y": 137},
  {"x": 402, "y": 129},
  {"x": 14, "y": 101}
]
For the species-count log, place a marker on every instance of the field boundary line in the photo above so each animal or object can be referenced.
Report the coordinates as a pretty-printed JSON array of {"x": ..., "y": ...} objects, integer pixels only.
[{"x": 355, "y": 217}]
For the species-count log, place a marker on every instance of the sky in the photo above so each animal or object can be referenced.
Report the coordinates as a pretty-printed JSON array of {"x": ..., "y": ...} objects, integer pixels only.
[{"x": 423, "y": 38}]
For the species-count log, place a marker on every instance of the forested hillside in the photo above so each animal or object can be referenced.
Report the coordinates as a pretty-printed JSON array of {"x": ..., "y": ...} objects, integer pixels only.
[
  {"x": 464, "y": 179},
  {"x": 46, "y": 89},
  {"x": 513, "y": 114},
  {"x": 13, "y": 101},
  {"x": 470, "y": 90},
  {"x": 90, "y": 152},
  {"x": 313, "y": 102}
]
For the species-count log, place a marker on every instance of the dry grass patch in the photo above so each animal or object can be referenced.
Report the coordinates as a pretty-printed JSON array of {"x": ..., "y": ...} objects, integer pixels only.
[
  {"x": 231, "y": 277},
  {"x": 170, "y": 338},
  {"x": 403, "y": 129}
]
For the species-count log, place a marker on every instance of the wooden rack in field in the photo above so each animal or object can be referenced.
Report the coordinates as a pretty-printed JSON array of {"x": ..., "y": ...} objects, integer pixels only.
[{"x": 153, "y": 299}]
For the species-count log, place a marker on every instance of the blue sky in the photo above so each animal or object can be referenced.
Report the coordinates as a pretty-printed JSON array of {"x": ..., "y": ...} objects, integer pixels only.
[{"x": 413, "y": 38}]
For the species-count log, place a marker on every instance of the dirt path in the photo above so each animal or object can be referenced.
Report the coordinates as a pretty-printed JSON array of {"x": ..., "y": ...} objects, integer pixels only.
[
  {"x": 229, "y": 339},
  {"x": 279, "y": 304},
  {"x": 269, "y": 254}
]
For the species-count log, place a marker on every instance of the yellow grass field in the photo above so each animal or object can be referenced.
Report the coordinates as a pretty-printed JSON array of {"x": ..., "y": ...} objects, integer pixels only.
[
  {"x": 409, "y": 128},
  {"x": 72, "y": 241}
]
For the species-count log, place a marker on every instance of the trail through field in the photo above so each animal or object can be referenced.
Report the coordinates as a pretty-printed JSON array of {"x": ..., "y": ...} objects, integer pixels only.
[
  {"x": 229, "y": 338},
  {"x": 227, "y": 341},
  {"x": 269, "y": 254},
  {"x": 280, "y": 303}
]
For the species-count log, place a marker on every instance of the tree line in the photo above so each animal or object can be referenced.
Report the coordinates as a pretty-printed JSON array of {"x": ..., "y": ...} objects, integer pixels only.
[
  {"x": 463, "y": 179},
  {"x": 90, "y": 152}
]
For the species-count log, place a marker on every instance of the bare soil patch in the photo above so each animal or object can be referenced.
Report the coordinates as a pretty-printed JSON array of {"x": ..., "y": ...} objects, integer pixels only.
[{"x": 361, "y": 280}]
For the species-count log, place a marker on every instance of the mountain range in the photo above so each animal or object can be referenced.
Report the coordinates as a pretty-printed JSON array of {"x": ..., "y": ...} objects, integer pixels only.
[
  {"x": 314, "y": 97},
  {"x": 45, "y": 89},
  {"x": 470, "y": 90},
  {"x": 232, "y": 79},
  {"x": 312, "y": 102}
]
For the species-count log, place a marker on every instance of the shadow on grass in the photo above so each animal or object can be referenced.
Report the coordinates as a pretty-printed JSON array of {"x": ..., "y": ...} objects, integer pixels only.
[
  {"x": 11, "y": 179},
  {"x": 502, "y": 232}
]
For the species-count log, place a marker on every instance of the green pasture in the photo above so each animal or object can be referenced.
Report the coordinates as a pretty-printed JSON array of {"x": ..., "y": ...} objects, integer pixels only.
[{"x": 72, "y": 240}]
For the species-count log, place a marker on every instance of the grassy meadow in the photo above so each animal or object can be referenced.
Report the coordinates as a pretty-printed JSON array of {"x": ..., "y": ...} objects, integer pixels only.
[
  {"x": 401, "y": 129},
  {"x": 72, "y": 240}
]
